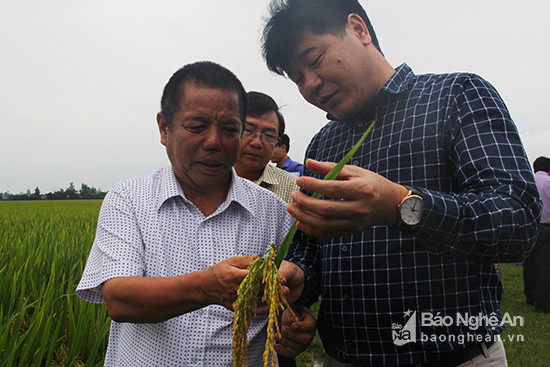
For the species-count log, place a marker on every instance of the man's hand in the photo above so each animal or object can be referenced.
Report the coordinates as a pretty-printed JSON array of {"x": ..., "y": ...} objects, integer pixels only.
[
  {"x": 293, "y": 280},
  {"x": 223, "y": 279},
  {"x": 362, "y": 199},
  {"x": 295, "y": 335}
]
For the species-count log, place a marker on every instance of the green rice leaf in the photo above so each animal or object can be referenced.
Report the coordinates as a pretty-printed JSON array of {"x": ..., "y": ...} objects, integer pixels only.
[{"x": 331, "y": 175}]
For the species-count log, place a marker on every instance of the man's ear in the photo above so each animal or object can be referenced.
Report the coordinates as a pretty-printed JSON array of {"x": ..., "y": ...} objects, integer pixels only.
[
  {"x": 163, "y": 128},
  {"x": 356, "y": 26}
]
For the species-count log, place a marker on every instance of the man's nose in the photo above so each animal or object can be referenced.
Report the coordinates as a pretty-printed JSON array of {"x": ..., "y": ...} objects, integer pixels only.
[
  {"x": 312, "y": 82},
  {"x": 213, "y": 138},
  {"x": 256, "y": 140}
]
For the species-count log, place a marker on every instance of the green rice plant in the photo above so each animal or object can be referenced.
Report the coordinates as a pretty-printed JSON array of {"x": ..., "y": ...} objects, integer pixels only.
[
  {"x": 43, "y": 250},
  {"x": 264, "y": 271}
]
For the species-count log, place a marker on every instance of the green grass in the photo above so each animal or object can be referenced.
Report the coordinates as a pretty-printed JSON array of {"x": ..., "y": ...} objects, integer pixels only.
[{"x": 533, "y": 351}]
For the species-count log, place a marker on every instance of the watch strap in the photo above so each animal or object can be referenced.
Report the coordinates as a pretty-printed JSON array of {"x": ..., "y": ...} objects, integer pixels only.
[{"x": 413, "y": 191}]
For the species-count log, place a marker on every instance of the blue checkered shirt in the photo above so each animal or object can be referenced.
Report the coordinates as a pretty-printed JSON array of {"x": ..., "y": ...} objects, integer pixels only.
[{"x": 451, "y": 137}]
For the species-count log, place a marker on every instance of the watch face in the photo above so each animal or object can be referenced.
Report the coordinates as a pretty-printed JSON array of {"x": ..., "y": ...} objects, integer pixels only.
[{"x": 411, "y": 210}]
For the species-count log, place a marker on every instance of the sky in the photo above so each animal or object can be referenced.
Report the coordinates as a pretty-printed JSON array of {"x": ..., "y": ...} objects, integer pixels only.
[{"x": 81, "y": 81}]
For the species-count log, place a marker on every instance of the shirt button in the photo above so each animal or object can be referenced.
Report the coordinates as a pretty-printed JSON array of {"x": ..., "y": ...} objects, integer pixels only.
[
  {"x": 355, "y": 163},
  {"x": 344, "y": 248},
  {"x": 360, "y": 124}
]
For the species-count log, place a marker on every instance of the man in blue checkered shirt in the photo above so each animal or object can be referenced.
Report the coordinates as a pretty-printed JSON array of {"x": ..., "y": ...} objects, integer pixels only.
[{"x": 402, "y": 246}]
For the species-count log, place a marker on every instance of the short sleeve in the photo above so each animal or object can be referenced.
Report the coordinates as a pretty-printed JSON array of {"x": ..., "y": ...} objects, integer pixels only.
[{"x": 118, "y": 248}]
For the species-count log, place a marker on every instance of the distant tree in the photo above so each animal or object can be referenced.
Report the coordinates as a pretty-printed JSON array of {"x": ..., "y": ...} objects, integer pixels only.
[
  {"x": 21, "y": 196},
  {"x": 84, "y": 191},
  {"x": 87, "y": 192},
  {"x": 56, "y": 195},
  {"x": 70, "y": 192},
  {"x": 36, "y": 195}
]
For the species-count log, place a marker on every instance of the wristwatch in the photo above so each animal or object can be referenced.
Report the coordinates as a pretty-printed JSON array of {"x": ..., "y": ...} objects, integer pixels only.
[{"x": 410, "y": 208}]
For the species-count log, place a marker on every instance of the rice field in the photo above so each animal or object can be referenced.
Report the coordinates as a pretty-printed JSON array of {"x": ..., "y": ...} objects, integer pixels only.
[{"x": 43, "y": 249}]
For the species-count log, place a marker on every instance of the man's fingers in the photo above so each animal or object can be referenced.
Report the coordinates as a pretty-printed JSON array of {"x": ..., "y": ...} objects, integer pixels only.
[
  {"x": 242, "y": 262},
  {"x": 284, "y": 351},
  {"x": 321, "y": 168},
  {"x": 292, "y": 346},
  {"x": 297, "y": 334},
  {"x": 344, "y": 187},
  {"x": 287, "y": 318},
  {"x": 336, "y": 189},
  {"x": 295, "y": 344},
  {"x": 315, "y": 225}
]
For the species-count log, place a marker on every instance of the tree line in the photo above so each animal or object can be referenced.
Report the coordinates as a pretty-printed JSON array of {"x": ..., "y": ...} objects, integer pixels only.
[{"x": 70, "y": 193}]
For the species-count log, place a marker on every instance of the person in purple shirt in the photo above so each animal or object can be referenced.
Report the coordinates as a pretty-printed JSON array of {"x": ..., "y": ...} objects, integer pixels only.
[
  {"x": 282, "y": 160},
  {"x": 536, "y": 268}
]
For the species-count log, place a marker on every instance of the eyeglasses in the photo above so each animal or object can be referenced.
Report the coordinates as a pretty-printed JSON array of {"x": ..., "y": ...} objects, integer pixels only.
[{"x": 267, "y": 138}]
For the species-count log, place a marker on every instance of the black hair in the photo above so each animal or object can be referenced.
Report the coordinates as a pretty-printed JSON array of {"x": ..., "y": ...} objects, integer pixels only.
[
  {"x": 202, "y": 73},
  {"x": 284, "y": 140},
  {"x": 542, "y": 164},
  {"x": 260, "y": 103},
  {"x": 290, "y": 18}
]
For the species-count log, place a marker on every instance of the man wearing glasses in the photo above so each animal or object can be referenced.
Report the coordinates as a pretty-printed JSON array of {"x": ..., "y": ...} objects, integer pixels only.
[{"x": 264, "y": 124}]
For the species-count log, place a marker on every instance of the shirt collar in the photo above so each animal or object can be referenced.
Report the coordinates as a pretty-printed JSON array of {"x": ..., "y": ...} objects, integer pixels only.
[
  {"x": 238, "y": 193},
  {"x": 170, "y": 187},
  {"x": 399, "y": 81},
  {"x": 268, "y": 176},
  {"x": 287, "y": 163}
]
